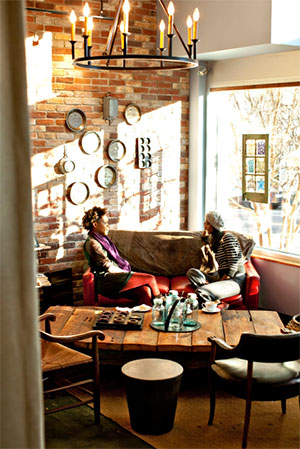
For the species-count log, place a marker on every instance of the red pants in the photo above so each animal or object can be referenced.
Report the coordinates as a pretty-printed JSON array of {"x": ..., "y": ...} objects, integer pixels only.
[{"x": 142, "y": 287}]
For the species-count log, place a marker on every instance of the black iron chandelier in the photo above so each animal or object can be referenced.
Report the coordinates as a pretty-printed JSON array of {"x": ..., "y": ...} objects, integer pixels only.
[{"x": 128, "y": 61}]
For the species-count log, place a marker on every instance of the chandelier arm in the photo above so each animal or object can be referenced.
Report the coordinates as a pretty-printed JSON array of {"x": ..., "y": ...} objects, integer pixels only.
[
  {"x": 113, "y": 30},
  {"x": 176, "y": 29}
]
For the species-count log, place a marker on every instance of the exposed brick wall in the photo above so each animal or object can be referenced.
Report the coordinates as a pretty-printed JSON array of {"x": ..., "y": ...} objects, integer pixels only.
[{"x": 154, "y": 198}]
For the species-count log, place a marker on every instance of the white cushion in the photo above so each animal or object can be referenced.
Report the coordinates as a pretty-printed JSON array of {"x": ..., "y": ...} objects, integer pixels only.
[{"x": 236, "y": 369}]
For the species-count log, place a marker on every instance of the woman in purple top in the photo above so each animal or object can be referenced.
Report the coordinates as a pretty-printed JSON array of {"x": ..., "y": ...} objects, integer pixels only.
[{"x": 114, "y": 274}]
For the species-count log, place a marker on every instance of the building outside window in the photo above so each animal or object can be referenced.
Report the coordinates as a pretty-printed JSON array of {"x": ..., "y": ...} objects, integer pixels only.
[{"x": 275, "y": 111}]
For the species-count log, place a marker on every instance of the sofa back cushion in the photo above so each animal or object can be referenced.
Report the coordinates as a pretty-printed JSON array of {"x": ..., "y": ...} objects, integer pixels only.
[{"x": 166, "y": 253}]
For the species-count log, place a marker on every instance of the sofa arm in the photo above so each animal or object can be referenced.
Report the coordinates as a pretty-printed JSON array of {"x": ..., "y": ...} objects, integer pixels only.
[
  {"x": 88, "y": 280},
  {"x": 252, "y": 287}
]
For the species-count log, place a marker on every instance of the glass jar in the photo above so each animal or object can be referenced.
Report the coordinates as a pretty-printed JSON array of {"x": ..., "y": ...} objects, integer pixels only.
[
  {"x": 172, "y": 296},
  {"x": 191, "y": 306},
  {"x": 158, "y": 312},
  {"x": 176, "y": 320}
]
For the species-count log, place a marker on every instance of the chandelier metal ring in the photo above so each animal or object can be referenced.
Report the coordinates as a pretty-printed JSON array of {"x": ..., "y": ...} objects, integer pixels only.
[{"x": 145, "y": 62}]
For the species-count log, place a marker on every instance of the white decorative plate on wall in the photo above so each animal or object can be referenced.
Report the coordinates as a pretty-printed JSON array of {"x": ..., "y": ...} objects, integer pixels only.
[
  {"x": 76, "y": 120},
  {"x": 106, "y": 176},
  {"x": 133, "y": 114},
  {"x": 116, "y": 150},
  {"x": 78, "y": 192},
  {"x": 90, "y": 142}
]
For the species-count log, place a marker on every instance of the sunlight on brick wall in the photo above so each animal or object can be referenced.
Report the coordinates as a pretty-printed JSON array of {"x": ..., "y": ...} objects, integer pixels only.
[{"x": 142, "y": 199}]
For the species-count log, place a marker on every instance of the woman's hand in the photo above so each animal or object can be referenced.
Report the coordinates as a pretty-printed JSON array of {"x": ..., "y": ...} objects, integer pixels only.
[
  {"x": 225, "y": 277},
  {"x": 205, "y": 233}
]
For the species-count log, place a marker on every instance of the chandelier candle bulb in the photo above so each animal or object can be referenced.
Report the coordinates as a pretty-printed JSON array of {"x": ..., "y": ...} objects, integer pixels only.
[
  {"x": 122, "y": 28},
  {"x": 73, "y": 23},
  {"x": 162, "y": 29},
  {"x": 189, "y": 24},
  {"x": 196, "y": 16},
  {"x": 171, "y": 11},
  {"x": 90, "y": 30},
  {"x": 126, "y": 8},
  {"x": 86, "y": 13}
]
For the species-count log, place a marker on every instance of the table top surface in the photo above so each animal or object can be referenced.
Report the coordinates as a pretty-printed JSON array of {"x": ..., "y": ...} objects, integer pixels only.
[{"x": 227, "y": 324}]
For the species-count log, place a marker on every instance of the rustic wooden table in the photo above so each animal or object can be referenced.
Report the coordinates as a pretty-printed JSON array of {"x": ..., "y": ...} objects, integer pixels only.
[{"x": 228, "y": 324}]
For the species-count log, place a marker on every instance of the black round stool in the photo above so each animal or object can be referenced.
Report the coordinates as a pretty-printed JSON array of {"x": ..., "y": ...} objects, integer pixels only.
[{"x": 152, "y": 387}]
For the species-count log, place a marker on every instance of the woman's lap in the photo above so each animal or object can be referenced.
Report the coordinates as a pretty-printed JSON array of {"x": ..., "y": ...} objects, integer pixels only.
[{"x": 142, "y": 279}]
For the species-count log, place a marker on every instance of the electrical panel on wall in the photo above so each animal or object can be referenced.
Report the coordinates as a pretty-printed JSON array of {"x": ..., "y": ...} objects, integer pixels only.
[
  {"x": 144, "y": 152},
  {"x": 110, "y": 108}
]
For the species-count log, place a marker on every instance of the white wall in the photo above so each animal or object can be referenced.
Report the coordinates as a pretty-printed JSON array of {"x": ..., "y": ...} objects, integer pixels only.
[
  {"x": 280, "y": 286},
  {"x": 260, "y": 69}
]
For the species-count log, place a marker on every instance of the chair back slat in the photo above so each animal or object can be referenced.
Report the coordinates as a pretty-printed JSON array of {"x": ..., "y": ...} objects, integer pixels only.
[{"x": 268, "y": 348}]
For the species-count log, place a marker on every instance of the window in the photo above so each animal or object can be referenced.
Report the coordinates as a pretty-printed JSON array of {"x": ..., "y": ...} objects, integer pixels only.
[{"x": 272, "y": 111}]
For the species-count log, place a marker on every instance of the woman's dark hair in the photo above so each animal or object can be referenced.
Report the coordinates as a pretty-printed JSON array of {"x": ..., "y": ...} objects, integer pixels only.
[
  {"x": 216, "y": 237},
  {"x": 92, "y": 216}
]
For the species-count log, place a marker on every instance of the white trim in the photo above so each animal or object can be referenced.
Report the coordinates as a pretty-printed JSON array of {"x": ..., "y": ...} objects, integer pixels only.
[{"x": 276, "y": 256}]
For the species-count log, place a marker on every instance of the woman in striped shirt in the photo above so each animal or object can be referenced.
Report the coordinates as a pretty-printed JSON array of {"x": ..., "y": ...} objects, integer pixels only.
[{"x": 230, "y": 260}]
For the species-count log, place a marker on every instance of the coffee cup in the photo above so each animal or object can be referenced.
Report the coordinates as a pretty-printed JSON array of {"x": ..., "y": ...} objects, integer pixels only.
[{"x": 210, "y": 306}]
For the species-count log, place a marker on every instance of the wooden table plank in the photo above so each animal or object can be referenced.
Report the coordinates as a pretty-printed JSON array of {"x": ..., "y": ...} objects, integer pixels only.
[
  {"x": 144, "y": 340},
  {"x": 235, "y": 322},
  {"x": 211, "y": 325},
  {"x": 266, "y": 322},
  {"x": 174, "y": 341}
]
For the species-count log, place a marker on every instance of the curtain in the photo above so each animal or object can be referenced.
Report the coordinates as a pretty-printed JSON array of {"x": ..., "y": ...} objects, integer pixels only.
[{"x": 21, "y": 384}]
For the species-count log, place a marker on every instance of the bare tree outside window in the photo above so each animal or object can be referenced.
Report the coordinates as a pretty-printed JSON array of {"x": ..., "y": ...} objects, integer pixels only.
[{"x": 275, "y": 111}]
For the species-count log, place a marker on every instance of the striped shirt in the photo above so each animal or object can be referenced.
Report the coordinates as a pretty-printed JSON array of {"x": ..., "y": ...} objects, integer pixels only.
[{"x": 229, "y": 256}]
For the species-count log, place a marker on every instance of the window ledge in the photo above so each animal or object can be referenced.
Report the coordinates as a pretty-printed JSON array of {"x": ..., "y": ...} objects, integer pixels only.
[{"x": 276, "y": 256}]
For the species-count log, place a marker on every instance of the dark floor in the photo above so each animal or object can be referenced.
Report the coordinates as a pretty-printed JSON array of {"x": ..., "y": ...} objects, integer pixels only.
[{"x": 75, "y": 428}]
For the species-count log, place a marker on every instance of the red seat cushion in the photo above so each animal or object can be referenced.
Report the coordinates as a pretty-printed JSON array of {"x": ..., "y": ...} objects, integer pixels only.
[
  {"x": 163, "y": 283},
  {"x": 104, "y": 301},
  {"x": 182, "y": 284}
]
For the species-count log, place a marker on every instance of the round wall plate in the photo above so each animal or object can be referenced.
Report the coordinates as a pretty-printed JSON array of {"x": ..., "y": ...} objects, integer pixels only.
[
  {"x": 116, "y": 150},
  {"x": 133, "y": 114},
  {"x": 106, "y": 176},
  {"x": 90, "y": 142},
  {"x": 76, "y": 120},
  {"x": 78, "y": 192}
]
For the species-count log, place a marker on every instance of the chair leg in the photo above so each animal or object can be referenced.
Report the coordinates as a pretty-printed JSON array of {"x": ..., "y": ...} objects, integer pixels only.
[
  {"x": 97, "y": 403},
  {"x": 212, "y": 388},
  {"x": 247, "y": 422},
  {"x": 283, "y": 406},
  {"x": 96, "y": 376}
]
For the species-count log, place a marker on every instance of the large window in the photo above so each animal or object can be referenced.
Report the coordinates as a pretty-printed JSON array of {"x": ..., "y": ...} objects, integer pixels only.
[{"x": 274, "y": 111}]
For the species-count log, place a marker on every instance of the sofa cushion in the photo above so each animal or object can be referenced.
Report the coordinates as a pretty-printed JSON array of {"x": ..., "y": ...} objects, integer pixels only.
[
  {"x": 159, "y": 252},
  {"x": 167, "y": 253}
]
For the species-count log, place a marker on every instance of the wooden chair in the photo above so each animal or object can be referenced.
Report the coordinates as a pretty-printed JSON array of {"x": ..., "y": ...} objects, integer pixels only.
[
  {"x": 275, "y": 378},
  {"x": 60, "y": 363}
]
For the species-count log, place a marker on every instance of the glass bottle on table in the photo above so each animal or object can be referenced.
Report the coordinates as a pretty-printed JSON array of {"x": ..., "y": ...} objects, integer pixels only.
[
  {"x": 191, "y": 305},
  {"x": 158, "y": 312},
  {"x": 172, "y": 296}
]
